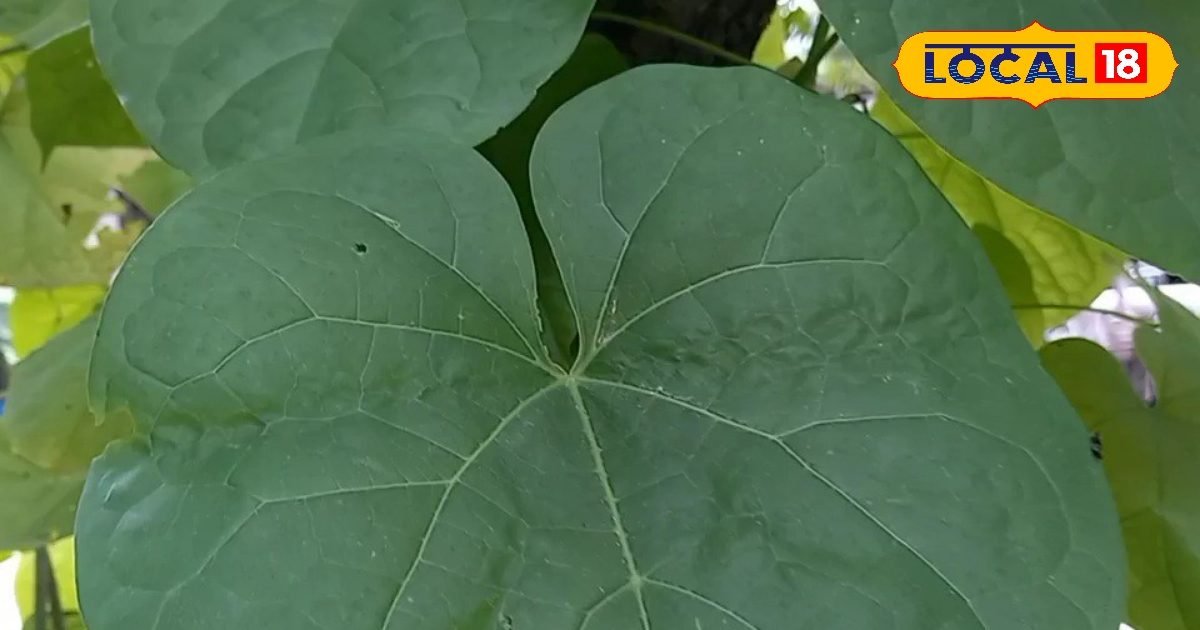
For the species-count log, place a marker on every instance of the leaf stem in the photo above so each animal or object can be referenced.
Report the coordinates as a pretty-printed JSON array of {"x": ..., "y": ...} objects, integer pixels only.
[
  {"x": 677, "y": 35},
  {"x": 823, "y": 42},
  {"x": 1077, "y": 307},
  {"x": 47, "y": 597},
  {"x": 39, "y": 592}
]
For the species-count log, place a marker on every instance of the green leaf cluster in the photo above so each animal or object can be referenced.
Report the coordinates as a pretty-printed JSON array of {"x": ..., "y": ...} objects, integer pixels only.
[
  {"x": 65, "y": 145},
  {"x": 1149, "y": 453}
]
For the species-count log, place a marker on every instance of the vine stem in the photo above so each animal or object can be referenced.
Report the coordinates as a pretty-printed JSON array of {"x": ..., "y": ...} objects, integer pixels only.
[
  {"x": 1077, "y": 307},
  {"x": 667, "y": 31},
  {"x": 47, "y": 598},
  {"x": 823, "y": 42}
]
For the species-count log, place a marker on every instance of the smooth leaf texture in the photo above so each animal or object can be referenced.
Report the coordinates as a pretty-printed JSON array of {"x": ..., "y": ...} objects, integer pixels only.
[
  {"x": 1016, "y": 277},
  {"x": 1055, "y": 264},
  {"x": 71, "y": 101},
  {"x": 36, "y": 506},
  {"x": 348, "y": 423},
  {"x": 42, "y": 236},
  {"x": 37, "y": 315},
  {"x": 1123, "y": 171},
  {"x": 1151, "y": 459},
  {"x": 36, "y": 22},
  {"x": 47, "y": 419},
  {"x": 595, "y": 60},
  {"x": 216, "y": 82}
]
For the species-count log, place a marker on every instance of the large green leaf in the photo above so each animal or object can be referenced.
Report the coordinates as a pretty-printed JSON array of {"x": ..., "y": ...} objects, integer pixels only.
[
  {"x": 1121, "y": 170},
  {"x": 595, "y": 60},
  {"x": 36, "y": 22},
  {"x": 71, "y": 101},
  {"x": 1150, "y": 456},
  {"x": 1053, "y": 263},
  {"x": 216, "y": 82},
  {"x": 800, "y": 400},
  {"x": 47, "y": 419}
]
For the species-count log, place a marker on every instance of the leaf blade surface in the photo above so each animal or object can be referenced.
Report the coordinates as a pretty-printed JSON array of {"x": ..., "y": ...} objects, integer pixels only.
[
  {"x": 218, "y": 82},
  {"x": 408, "y": 440}
]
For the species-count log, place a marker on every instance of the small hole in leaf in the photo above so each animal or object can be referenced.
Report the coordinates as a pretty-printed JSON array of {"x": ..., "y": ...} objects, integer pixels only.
[{"x": 360, "y": 248}]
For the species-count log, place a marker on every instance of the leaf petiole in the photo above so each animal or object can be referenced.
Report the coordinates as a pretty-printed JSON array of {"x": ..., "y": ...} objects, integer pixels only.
[{"x": 823, "y": 42}]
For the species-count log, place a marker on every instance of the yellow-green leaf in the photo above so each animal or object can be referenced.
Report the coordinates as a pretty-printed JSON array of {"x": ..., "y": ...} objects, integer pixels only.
[
  {"x": 47, "y": 214},
  {"x": 37, "y": 506},
  {"x": 1149, "y": 455},
  {"x": 12, "y": 63},
  {"x": 47, "y": 419},
  {"x": 1066, "y": 266},
  {"x": 39, "y": 314},
  {"x": 769, "y": 50}
]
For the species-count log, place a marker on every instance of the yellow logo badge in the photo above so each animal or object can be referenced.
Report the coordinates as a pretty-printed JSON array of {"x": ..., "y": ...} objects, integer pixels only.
[{"x": 1035, "y": 64}]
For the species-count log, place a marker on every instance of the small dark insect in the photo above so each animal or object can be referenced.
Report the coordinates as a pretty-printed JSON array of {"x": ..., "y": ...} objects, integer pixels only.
[
  {"x": 506, "y": 622},
  {"x": 1097, "y": 446},
  {"x": 66, "y": 210},
  {"x": 360, "y": 248}
]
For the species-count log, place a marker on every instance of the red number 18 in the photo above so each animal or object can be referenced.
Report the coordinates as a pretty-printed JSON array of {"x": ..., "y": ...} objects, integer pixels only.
[{"x": 1121, "y": 63}]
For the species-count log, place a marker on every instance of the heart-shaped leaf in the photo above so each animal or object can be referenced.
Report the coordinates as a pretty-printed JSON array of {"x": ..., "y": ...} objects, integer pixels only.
[
  {"x": 1121, "y": 170},
  {"x": 215, "y": 82},
  {"x": 595, "y": 60},
  {"x": 800, "y": 400}
]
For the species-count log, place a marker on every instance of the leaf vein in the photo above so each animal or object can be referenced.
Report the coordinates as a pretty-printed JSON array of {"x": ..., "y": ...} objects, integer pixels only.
[
  {"x": 721, "y": 276},
  {"x": 812, "y": 471},
  {"x": 450, "y": 485},
  {"x": 635, "y": 578},
  {"x": 450, "y": 267}
]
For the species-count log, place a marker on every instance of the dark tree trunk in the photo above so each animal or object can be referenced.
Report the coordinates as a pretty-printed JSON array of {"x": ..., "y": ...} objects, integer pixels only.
[{"x": 734, "y": 25}]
